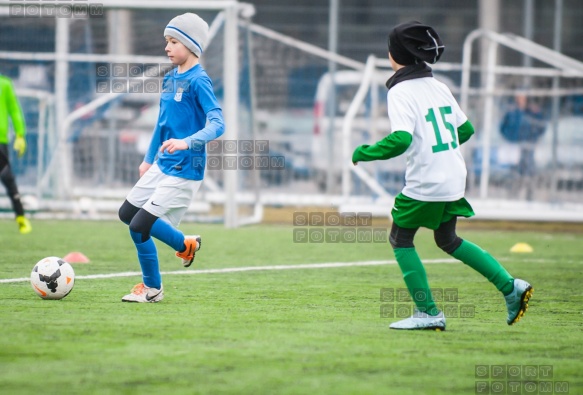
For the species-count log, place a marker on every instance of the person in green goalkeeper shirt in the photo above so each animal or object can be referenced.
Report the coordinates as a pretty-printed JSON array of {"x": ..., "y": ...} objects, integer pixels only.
[
  {"x": 9, "y": 107},
  {"x": 428, "y": 126}
]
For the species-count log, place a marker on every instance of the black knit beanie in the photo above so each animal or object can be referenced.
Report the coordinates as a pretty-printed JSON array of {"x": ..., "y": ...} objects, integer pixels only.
[{"x": 413, "y": 41}]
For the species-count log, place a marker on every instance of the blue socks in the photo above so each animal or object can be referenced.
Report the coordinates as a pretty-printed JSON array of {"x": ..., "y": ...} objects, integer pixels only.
[
  {"x": 168, "y": 234},
  {"x": 148, "y": 254},
  {"x": 148, "y": 257}
]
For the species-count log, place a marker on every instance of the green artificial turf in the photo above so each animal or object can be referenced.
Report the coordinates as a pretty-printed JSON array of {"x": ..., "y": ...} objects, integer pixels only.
[{"x": 295, "y": 331}]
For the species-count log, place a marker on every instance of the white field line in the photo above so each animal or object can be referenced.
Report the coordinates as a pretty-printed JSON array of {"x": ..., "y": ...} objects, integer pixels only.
[{"x": 243, "y": 269}]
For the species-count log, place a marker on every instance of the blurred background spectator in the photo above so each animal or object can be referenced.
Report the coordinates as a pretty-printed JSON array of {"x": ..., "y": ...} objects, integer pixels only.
[{"x": 524, "y": 124}]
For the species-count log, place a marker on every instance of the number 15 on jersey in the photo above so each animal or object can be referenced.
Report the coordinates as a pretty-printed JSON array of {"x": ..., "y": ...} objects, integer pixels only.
[{"x": 430, "y": 117}]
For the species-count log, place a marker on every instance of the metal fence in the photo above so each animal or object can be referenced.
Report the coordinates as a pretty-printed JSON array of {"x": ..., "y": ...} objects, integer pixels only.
[{"x": 291, "y": 125}]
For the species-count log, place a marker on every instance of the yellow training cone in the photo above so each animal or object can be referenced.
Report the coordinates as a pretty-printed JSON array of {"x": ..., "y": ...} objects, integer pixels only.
[{"x": 521, "y": 247}]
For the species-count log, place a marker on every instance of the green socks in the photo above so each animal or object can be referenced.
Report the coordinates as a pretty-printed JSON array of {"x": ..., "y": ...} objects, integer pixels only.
[
  {"x": 469, "y": 253},
  {"x": 486, "y": 265},
  {"x": 416, "y": 279}
]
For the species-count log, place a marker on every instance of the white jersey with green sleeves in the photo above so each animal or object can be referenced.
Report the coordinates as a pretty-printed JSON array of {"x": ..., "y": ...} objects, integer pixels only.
[{"x": 425, "y": 107}]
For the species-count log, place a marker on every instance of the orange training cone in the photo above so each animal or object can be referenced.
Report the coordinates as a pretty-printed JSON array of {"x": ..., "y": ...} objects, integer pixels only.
[{"x": 76, "y": 257}]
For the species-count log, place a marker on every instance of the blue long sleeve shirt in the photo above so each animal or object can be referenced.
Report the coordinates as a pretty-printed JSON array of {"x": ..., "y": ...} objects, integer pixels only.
[{"x": 186, "y": 103}]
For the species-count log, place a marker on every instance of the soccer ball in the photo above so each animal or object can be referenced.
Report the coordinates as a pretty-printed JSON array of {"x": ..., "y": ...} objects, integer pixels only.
[{"x": 52, "y": 278}]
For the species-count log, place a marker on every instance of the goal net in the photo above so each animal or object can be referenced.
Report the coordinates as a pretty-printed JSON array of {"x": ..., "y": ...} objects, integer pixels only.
[
  {"x": 525, "y": 104},
  {"x": 88, "y": 77},
  {"x": 90, "y": 86}
]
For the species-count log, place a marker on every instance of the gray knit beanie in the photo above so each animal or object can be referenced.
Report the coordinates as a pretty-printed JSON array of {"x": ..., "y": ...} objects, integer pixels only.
[{"x": 191, "y": 30}]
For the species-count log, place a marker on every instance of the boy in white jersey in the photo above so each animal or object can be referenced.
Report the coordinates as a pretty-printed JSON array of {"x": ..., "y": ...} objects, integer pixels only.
[
  {"x": 428, "y": 125},
  {"x": 173, "y": 167}
]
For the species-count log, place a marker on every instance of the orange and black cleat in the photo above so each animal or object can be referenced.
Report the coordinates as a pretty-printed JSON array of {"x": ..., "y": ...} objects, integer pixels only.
[{"x": 192, "y": 244}]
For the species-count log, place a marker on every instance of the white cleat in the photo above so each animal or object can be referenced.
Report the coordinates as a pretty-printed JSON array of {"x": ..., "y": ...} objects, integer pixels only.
[
  {"x": 420, "y": 320},
  {"x": 517, "y": 300},
  {"x": 142, "y": 294}
]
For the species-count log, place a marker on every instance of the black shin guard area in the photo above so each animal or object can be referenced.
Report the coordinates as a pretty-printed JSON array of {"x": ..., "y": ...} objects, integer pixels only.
[
  {"x": 402, "y": 237},
  {"x": 446, "y": 238},
  {"x": 9, "y": 182},
  {"x": 3, "y": 160},
  {"x": 142, "y": 223},
  {"x": 127, "y": 211}
]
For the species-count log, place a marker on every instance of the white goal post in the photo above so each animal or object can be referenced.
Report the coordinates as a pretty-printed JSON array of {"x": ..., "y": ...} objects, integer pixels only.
[
  {"x": 230, "y": 11},
  {"x": 100, "y": 138}
]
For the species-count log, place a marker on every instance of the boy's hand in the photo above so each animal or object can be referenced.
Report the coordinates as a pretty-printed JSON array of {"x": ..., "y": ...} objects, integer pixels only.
[
  {"x": 173, "y": 145},
  {"x": 144, "y": 167},
  {"x": 356, "y": 154},
  {"x": 20, "y": 146}
]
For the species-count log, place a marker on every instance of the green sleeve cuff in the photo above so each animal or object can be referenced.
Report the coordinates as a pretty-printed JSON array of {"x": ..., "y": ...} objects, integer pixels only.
[
  {"x": 391, "y": 146},
  {"x": 465, "y": 131}
]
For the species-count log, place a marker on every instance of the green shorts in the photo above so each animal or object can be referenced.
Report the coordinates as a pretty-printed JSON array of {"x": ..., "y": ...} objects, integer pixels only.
[{"x": 411, "y": 213}]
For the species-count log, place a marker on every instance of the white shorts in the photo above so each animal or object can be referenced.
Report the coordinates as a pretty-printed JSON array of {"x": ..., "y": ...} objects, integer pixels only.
[{"x": 164, "y": 196}]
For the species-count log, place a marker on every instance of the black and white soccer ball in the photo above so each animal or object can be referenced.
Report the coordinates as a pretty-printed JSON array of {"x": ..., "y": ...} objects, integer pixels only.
[{"x": 52, "y": 278}]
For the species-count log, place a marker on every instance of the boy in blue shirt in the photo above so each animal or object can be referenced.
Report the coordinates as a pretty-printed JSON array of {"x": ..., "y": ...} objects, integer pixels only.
[{"x": 158, "y": 201}]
